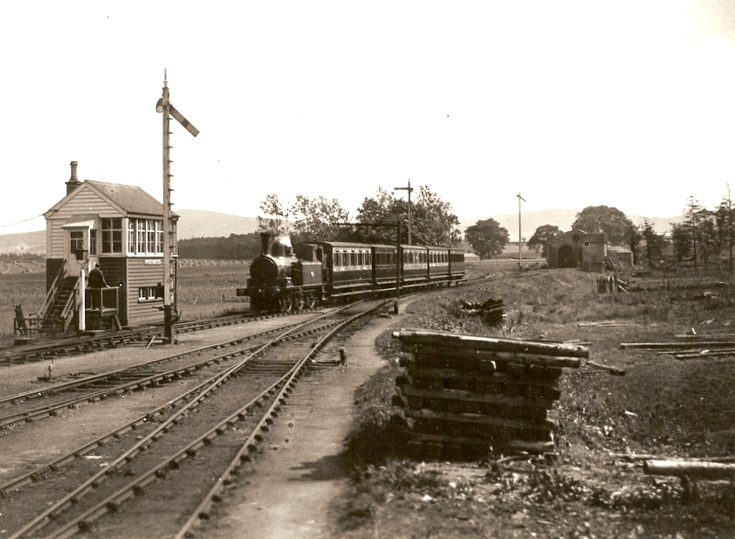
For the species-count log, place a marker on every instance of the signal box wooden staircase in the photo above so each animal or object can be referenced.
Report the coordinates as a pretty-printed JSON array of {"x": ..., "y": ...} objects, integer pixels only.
[{"x": 59, "y": 312}]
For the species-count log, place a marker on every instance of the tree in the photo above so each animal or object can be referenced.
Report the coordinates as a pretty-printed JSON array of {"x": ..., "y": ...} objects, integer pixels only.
[
  {"x": 605, "y": 219},
  {"x": 634, "y": 238},
  {"x": 487, "y": 237},
  {"x": 654, "y": 243},
  {"x": 541, "y": 238},
  {"x": 275, "y": 220},
  {"x": 318, "y": 219},
  {"x": 432, "y": 222},
  {"x": 234, "y": 247},
  {"x": 700, "y": 228},
  {"x": 723, "y": 219},
  {"x": 682, "y": 238}
]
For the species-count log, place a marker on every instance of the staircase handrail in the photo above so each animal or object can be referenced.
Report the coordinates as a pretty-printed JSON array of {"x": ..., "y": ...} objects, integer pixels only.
[
  {"x": 53, "y": 289},
  {"x": 67, "y": 313}
]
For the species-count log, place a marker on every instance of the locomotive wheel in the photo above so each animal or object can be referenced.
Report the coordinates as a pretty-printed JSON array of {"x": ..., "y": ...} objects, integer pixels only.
[
  {"x": 286, "y": 304},
  {"x": 310, "y": 301},
  {"x": 299, "y": 303}
]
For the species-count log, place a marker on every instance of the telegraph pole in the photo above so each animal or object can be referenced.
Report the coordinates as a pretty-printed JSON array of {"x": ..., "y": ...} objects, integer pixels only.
[
  {"x": 729, "y": 227},
  {"x": 165, "y": 107},
  {"x": 520, "y": 267},
  {"x": 409, "y": 189}
]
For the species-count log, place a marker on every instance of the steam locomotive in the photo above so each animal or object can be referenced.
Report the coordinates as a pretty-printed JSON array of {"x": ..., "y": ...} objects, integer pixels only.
[{"x": 289, "y": 278}]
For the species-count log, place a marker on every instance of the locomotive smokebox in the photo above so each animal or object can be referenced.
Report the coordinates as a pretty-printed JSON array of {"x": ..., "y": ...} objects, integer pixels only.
[{"x": 265, "y": 239}]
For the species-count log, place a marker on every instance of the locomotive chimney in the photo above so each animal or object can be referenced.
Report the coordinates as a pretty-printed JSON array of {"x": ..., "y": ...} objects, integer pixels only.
[
  {"x": 264, "y": 240},
  {"x": 73, "y": 182}
]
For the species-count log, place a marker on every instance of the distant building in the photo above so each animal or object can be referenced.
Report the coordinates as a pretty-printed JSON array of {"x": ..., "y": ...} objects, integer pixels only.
[
  {"x": 620, "y": 256},
  {"x": 577, "y": 249}
]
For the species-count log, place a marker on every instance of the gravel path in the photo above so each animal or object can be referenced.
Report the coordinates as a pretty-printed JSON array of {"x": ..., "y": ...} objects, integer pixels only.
[{"x": 300, "y": 469}]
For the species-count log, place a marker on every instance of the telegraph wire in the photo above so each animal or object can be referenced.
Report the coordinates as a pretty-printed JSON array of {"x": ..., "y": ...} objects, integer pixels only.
[{"x": 23, "y": 221}]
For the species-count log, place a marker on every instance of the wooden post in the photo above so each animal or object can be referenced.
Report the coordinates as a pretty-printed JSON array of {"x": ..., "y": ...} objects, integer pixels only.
[
  {"x": 167, "y": 244},
  {"x": 520, "y": 258},
  {"x": 82, "y": 305},
  {"x": 399, "y": 261}
]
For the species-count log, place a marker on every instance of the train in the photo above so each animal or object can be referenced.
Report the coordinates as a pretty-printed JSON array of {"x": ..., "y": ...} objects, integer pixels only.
[{"x": 286, "y": 278}]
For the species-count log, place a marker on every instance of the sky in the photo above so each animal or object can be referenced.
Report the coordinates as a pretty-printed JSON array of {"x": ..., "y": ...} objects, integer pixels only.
[{"x": 628, "y": 104}]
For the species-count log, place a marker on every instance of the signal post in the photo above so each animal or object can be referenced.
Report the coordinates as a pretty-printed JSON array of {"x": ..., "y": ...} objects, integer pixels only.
[{"x": 165, "y": 107}]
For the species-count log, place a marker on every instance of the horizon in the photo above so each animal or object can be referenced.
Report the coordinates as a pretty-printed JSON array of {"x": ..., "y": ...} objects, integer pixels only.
[{"x": 38, "y": 224}]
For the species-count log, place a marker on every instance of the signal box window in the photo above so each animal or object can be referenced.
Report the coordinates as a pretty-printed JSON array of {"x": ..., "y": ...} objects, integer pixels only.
[
  {"x": 93, "y": 241},
  {"x": 76, "y": 240},
  {"x": 150, "y": 292},
  {"x": 112, "y": 235}
]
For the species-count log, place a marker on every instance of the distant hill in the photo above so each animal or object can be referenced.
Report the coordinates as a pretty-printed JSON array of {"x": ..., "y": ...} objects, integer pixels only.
[
  {"x": 209, "y": 224},
  {"x": 192, "y": 224},
  {"x": 23, "y": 243},
  {"x": 531, "y": 220}
]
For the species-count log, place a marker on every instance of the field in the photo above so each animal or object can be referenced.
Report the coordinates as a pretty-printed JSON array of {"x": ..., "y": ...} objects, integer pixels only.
[
  {"x": 662, "y": 406},
  {"x": 206, "y": 288}
]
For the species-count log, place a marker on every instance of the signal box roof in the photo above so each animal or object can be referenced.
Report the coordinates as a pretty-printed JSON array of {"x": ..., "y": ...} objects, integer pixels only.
[{"x": 127, "y": 199}]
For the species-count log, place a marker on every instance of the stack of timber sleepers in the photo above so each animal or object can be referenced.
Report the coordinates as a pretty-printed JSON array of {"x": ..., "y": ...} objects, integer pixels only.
[{"x": 480, "y": 393}]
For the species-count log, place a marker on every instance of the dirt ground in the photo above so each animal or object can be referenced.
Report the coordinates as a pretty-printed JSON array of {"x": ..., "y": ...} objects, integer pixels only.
[
  {"x": 662, "y": 406},
  {"x": 306, "y": 483},
  {"x": 301, "y": 468}
]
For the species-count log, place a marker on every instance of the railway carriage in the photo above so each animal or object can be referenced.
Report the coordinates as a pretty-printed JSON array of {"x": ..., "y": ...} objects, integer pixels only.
[
  {"x": 415, "y": 266},
  {"x": 293, "y": 279},
  {"x": 438, "y": 264},
  {"x": 456, "y": 264}
]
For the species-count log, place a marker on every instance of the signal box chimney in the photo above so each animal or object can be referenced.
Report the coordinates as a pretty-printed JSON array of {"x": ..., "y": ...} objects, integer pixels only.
[{"x": 73, "y": 182}]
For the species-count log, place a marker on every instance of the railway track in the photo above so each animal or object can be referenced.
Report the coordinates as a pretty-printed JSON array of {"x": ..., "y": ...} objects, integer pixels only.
[
  {"x": 53, "y": 348},
  {"x": 192, "y": 442}
]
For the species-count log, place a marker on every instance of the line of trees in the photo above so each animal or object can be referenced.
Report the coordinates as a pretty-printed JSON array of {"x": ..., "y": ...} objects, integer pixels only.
[
  {"x": 704, "y": 238},
  {"x": 321, "y": 219},
  {"x": 233, "y": 247},
  {"x": 699, "y": 241}
]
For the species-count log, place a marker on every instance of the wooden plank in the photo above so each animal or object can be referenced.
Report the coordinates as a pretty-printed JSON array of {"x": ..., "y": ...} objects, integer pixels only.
[
  {"x": 474, "y": 342},
  {"x": 467, "y": 396},
  {"x": 693, "y": 470},
  {"x": 459, "y": 402},
  {"x": 465, "y": 377},
  {"x": 517, "y": 445},
  {"x": 494, "y": 386},
  {"x": 489, "y": 360},
  {"x": 677, "y": 345},
  {"x": 546, "y": 425}
]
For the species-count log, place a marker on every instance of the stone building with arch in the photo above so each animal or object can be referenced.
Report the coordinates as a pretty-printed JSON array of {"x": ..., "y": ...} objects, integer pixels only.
[{"x": 577, "y": 249}]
